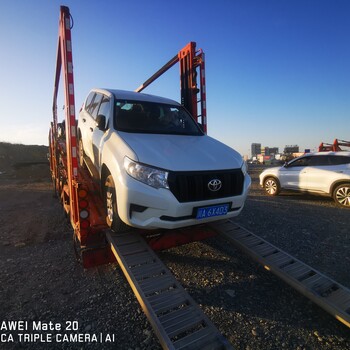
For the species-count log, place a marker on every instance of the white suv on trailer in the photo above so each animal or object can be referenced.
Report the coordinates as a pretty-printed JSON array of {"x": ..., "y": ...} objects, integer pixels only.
[
  {"x": 156, "y": 167},
  {"x": 324, "y": 173}
]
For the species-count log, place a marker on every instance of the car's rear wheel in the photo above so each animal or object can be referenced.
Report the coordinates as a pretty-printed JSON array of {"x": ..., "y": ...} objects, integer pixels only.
[
  {"x": 341, "y": 195},
  {"x": 112, "y": 218},
  {"x": 272, "y": 186}
]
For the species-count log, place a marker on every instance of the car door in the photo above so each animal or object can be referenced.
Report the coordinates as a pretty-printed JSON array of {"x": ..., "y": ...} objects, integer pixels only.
[
  {"x": 98, "y": 135},
  {"x": 293, "y": 174},
  {"x": 323, "y": 170}
]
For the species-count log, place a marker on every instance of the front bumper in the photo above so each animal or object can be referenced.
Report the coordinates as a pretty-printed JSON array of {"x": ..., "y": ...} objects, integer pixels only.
[{"x": 142, "y": 206}]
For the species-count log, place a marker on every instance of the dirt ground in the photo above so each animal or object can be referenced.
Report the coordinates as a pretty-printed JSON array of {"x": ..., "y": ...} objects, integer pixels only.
[{"x": 41, "y": 281}]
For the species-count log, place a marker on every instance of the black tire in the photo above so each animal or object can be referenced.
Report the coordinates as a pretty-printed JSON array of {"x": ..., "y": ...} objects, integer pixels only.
[
  {"x": 272, "y": 186},
  {"x": 341, "y": 195},
  {"x": 112, "y": 218}
]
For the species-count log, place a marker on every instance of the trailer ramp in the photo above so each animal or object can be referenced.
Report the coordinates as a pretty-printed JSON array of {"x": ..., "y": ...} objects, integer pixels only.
[
  {"x": 322, "y": 290},
  {"x": 177, "y": 320}
]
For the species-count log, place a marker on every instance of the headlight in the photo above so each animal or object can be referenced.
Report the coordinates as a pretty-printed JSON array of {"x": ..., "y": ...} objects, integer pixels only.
[
  {"x": 244, "y": 168},
  {"x": 150, "y": 176}
]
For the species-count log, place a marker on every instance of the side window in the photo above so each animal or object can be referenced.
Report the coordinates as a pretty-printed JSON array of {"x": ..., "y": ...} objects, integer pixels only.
[
  {"x": 338, "y": 160},
  {"x": 104, "y": 106},
  {"x": 300, "y": 162},
  {"x": 320, "y": 161},
  {"x": 94, "y": 106},
  {"x": 89, "y": 101}
]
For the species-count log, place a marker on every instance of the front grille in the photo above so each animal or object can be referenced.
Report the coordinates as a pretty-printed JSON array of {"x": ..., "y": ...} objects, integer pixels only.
[{"x": 193, "y": 186}]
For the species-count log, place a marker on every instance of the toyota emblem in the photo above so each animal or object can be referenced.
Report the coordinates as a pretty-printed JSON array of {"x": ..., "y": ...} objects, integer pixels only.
[{"x": 214, "y": 185}]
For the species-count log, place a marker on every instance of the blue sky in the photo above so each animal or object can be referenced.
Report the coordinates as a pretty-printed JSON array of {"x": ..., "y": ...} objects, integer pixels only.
[{"x": 277, "y": 71}]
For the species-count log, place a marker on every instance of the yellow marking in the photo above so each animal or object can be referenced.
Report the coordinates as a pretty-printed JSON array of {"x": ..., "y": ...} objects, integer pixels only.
[
  {"x": 342, "y": 321},
  {"x": 267, "y": 267}
]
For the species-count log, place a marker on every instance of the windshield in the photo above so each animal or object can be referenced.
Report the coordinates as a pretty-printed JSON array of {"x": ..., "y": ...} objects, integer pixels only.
[{"x": 153, "y": 118}]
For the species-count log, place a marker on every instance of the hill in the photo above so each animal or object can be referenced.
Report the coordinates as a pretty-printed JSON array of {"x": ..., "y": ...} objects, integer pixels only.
[{"x": 23, "y": 161}]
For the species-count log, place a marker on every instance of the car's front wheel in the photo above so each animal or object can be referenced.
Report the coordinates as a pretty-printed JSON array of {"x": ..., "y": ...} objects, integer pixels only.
[
  {"x": 112, "y": 218},
  {"x": 272, "y": 186},
  {"x": 341, "y": 195}
]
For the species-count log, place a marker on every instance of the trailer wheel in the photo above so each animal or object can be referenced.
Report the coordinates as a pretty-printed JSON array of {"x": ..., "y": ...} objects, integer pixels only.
[
  {"x": 341, "y": 195},
  {"x": 272, "y": 186},
  {"x": 112, "y": 218}
]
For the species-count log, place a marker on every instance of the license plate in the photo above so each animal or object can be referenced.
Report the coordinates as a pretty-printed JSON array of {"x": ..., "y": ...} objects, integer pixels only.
[{"x": 215, "y": 210}]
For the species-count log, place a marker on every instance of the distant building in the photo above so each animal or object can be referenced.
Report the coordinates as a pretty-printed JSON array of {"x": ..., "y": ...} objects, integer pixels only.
[
  {"x": 273, "y": 150},
  {"x": 291, "y": 149},
  {"x": 256, "y": 149},
  {"x": 269, "y": 151}
]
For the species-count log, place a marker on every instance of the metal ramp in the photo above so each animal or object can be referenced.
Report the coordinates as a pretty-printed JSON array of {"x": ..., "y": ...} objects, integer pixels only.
[
  {"x": 177, "y": 320},
  {"x": 330, "y": 295}
]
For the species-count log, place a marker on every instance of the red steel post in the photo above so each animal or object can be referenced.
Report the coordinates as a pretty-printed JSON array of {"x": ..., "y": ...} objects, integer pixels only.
[
  {"x": 203, "y": 92},
  {"x": 65, "y": 45}
]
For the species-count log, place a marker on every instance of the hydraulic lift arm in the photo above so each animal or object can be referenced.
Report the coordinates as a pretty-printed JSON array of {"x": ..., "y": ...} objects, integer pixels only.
[
  {"x": 337, "y": 143},
  {"x": 190, "y": 60},
  {"x": 334, "y": 147}
]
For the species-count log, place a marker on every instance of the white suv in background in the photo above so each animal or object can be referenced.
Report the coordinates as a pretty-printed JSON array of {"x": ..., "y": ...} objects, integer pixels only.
[
  {"x": 324, "y": 173},
  {"x": 157, "y": 169}
]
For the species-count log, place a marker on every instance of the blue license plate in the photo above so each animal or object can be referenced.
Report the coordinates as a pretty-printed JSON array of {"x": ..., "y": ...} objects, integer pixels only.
[{"x": 215, "y": 210}]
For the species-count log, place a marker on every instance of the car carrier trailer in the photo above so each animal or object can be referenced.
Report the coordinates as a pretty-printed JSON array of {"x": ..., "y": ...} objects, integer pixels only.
[{"x": 177, "y": 320}]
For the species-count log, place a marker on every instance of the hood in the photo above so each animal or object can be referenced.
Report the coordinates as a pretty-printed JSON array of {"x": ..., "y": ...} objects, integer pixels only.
[{"x": 182, "y": 153}]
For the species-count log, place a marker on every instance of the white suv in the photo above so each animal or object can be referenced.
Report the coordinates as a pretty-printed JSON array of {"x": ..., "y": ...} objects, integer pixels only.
[
  {"x": 157, "y": 169},
  {"x": 324, "y": 173}
]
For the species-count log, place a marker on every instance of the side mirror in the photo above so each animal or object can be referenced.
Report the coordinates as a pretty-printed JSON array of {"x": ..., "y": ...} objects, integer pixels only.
[{"x": 101, "y": 122}]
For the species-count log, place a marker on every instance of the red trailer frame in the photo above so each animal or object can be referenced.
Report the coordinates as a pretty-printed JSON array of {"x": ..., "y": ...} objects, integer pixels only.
[
  {"x": 79, "y": 194},
  {"x": 190, "y": 60},
  {"x": 334, "y": 147}
]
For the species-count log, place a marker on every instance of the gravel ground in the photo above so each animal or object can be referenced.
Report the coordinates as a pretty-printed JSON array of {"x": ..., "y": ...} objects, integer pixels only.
[{"x": 40, "y": 280}]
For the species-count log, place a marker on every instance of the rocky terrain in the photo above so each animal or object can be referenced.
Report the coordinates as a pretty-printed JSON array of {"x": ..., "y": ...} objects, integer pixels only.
[{"x": 40, "y": 280}]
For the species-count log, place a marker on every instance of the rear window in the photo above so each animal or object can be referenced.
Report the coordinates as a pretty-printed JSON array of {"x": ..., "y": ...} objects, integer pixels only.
[
  {"x": 153, "y": 118},
  {"x": 338, "y": 160}
]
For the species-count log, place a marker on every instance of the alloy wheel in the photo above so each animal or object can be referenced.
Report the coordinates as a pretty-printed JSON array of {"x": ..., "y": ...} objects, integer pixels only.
[
  {"x": 342, "y": 196},
  {"x": 270, "y": 186}
]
